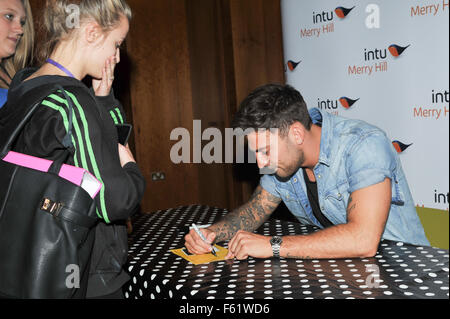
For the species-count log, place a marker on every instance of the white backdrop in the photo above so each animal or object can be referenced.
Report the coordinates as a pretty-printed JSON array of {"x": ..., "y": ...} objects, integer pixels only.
[{"x": 391, "y": 60}]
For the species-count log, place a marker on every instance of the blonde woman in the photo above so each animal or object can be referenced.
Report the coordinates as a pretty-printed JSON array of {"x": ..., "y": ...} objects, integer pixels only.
[
  {"x": 16, "y": 41},
  {"x": 72, "y": 52}
]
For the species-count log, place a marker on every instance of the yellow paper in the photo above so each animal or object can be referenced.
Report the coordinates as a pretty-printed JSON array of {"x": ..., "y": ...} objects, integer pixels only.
[{"x": 202, "y": 259}]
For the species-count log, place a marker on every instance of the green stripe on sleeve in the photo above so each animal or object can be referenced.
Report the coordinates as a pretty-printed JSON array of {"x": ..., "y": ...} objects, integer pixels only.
[
  {"x": 91, "y": 154},
  {"x": 113, "y": 117},
  {"x": 119, "y": 115},
  {"x": 65, "y": 120},
  {"x": 80, "y": 150},
  {"x": 77, "y": 132}
]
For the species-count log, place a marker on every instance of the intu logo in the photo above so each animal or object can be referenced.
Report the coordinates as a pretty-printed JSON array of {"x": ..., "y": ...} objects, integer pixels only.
[
  {"x": 330, "y": 104},
  {"x": 381, "y": 54},
  {"x": 439, "y": 97},
  {"x": 322, "y": 17},
  {"x": 327, "y": 104},
  {"x": 375, "y": 54},
  {"x": 328, "y": 16},
  {"x": 441, "y": 197}
]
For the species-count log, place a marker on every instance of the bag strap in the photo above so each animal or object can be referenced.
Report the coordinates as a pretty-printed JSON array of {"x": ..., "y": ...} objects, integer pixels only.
[
  {"x": 58, "y": 210},
  {"x": 23, "y": 113},
  {"x": 67, "y": 140}
]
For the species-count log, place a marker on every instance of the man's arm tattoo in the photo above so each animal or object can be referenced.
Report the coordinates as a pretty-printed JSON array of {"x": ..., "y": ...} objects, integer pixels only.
[
  {"x": 351, "y": 205},
  {"x": 248, "y": 217}
]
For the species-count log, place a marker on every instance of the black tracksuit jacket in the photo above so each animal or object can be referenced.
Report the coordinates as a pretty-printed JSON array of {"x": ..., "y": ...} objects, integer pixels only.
[{"x": 94, "y": 136}]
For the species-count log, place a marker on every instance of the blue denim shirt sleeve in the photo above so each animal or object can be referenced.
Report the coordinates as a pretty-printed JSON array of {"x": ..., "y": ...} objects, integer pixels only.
[
  {"x": 370, "y": 161},
  {"x": 269, "y": 184}
]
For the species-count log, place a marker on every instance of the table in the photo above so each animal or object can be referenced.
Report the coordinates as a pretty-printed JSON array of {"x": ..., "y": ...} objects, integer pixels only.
[{"x": 397, "y": 271}]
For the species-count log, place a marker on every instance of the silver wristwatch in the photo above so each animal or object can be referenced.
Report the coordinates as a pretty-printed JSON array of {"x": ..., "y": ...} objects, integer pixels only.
[{"x": 276, "y": 242}]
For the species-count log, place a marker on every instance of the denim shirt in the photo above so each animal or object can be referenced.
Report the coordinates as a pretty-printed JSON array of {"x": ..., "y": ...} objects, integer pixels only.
[{"x": 353, "y": 155}]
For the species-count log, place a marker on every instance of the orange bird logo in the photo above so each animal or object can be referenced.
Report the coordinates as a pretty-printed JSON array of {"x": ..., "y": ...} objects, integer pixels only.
[
  {"x": 397, "y": 50},
  {"x": 400, "y": 147},
  {"x": 347, "y": 103},
  {"x": 342, "y": 12},
  {"x": 293, "y": 65}
]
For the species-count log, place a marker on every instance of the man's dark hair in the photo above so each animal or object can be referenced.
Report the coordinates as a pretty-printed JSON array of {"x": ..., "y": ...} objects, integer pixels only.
[{"x": 272, "y": 106}]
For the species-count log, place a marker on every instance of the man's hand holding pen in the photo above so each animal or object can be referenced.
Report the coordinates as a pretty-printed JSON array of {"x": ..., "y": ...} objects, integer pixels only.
[{"x": 198, "y": 246}]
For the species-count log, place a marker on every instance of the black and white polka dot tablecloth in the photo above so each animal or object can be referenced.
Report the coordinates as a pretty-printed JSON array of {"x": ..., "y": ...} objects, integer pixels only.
[{"x": 397, "y": 271}]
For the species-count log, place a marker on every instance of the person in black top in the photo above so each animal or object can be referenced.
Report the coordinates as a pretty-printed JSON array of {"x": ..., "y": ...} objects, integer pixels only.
[{"x": 73, "y": 52}]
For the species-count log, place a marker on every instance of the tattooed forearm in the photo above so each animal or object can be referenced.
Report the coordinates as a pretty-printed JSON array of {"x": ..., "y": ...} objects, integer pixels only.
[
  {"x": 351, "y": 205},
  {"x": 248, "y": 217}
]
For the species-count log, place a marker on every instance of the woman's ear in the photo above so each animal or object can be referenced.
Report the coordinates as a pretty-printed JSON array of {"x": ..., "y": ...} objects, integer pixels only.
[{"x": 92, "y": 32}]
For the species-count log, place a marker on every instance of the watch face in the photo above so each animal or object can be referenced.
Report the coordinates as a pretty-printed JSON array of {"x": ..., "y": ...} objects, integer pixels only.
[{"x": 276, "y": 240}]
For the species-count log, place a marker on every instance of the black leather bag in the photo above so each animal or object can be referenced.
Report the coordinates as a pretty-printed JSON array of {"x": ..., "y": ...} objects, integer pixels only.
[{"x": 46, "y": 223}]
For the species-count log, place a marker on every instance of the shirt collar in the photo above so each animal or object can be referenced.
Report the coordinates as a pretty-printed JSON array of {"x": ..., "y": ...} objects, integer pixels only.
[{"x": 326, "y": 120}]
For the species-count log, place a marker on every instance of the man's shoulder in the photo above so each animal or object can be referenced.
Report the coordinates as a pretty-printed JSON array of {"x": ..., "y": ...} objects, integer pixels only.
[
  {"x": 346, "y": 138},
  {"x": 341, "y": 127},
  {"x": 358, "y": 127}
]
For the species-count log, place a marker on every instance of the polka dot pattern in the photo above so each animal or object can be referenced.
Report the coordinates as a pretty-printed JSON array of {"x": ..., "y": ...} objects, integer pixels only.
[{"x": 397, "y": 271}]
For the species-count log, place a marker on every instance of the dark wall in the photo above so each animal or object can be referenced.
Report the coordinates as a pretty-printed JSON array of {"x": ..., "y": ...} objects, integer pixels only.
[{"x": 194, "y": 59}]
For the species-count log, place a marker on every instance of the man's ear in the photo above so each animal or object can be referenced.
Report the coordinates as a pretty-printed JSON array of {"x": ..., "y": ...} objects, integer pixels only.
[{"x": 297, "y": 131}]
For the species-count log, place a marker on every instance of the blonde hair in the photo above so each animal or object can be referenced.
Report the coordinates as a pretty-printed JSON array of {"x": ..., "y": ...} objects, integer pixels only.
[
  {"x": 24, "y": 51},
  {"x": 106, "y": 13}
]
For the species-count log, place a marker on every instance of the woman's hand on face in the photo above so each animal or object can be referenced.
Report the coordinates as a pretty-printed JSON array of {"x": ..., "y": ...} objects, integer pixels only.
[{"x": 103, "y": 86}]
